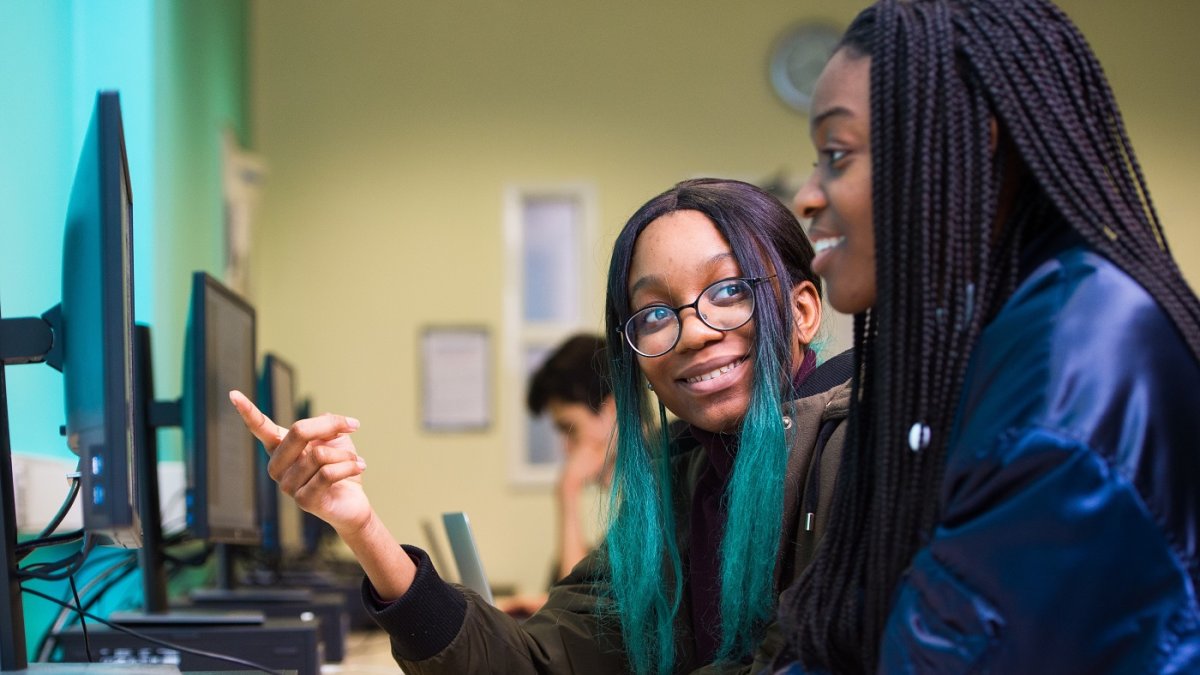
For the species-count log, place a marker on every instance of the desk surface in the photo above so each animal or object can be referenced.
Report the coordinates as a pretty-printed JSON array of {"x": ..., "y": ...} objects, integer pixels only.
[{"x": 367, "y": 653}]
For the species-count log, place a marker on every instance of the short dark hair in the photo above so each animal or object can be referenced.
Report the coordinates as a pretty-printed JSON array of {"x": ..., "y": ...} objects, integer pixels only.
[{"x": 577, "y": 372}]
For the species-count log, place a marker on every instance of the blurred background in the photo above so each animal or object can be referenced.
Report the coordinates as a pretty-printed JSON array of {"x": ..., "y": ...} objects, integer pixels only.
[{"x": 373, "y": 174}]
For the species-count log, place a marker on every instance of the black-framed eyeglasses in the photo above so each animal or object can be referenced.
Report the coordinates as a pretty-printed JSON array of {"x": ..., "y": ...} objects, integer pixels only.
[{"x": 725, "y": 305}]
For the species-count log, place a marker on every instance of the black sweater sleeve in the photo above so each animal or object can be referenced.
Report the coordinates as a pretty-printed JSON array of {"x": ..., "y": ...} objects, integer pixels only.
[{"x": 426, "y": 618}]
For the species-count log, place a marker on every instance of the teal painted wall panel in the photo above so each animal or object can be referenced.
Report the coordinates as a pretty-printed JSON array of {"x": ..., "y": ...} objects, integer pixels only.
[
  {"x": 55, "y": 56},
  {"x": 36, "y": 166},
  {"x": 180, "y": 68}
]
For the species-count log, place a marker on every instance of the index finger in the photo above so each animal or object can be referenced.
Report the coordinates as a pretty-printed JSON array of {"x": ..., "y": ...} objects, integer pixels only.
[{"x": 258, "y": 423}]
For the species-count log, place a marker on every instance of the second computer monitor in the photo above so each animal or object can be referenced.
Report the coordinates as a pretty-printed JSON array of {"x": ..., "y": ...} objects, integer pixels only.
[
  {"x": 222, "y": 504},
  {"x": 277, "y": 400}
]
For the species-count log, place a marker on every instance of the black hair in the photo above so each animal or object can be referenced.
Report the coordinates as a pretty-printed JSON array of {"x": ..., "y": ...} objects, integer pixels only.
[
  {"x": 577, "y": 372},
  {"x": 950, "y": 79}
]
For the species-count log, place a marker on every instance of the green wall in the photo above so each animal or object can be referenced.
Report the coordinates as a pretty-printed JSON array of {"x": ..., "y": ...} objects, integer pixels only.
[
  {"x": 201, "y": 82},
  {"x": 180, "y": 69}
]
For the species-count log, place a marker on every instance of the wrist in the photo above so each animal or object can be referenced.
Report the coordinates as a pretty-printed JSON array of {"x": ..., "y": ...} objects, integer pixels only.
[
  {"x": 364, "y": 531},
  {"x": 385, "y": 562}
]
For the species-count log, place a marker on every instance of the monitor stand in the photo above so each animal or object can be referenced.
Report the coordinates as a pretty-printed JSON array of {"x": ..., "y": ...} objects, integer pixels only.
[
  {"x": 13, "y": 658},
  {"x": 277, "y": 603},
  {"x": 227, "y": 591}
]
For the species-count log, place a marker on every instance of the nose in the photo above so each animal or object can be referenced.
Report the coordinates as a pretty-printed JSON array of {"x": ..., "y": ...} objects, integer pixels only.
[
  {"x": 694, "y": 333},
  {"x": 810, "y": 199}
]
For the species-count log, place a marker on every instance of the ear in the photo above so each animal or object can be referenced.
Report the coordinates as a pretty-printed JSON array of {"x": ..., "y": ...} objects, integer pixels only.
[
  {"x": 806, "y": 311},
  {"x": 993, "y": 135}
]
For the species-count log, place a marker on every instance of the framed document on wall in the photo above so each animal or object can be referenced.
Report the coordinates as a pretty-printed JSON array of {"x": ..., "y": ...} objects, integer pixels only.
[{"x": 456, "y": 378}]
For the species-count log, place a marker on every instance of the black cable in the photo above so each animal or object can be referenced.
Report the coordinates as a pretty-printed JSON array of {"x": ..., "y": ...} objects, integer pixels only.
[
  {"x": 161, "y": 643},
  {"x": 52, "y": 571},
  {"x": 65, "y": 508},
  {"x": 24, "y": 548},
  {"x": 72, "y": 565},
  {"x": 87, "y": 642},
  {"x": 128, "y": 562}
]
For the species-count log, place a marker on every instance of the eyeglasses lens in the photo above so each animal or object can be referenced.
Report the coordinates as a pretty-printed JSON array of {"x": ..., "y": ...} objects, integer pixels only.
[{"x": 725, "y": 305}]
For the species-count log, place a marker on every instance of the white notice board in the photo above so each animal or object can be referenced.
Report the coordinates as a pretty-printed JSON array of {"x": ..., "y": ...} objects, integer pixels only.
[{"x": 455, "y": 379}]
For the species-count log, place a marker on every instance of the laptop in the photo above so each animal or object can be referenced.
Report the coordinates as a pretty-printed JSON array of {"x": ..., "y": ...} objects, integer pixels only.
[{"x": 466, "y": 555}]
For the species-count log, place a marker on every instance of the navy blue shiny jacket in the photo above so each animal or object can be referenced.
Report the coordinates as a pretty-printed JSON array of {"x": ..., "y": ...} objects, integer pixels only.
[{"x": 1071, "y": 499}]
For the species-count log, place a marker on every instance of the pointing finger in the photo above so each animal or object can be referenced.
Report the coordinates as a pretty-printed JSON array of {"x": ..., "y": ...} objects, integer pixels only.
[{"x": 259, "y": 424}]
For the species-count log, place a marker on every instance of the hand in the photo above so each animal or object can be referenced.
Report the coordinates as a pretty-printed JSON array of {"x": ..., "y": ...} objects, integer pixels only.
[
  {"x": 584, "y": 465},
  {"x": 315, "y": 463}
]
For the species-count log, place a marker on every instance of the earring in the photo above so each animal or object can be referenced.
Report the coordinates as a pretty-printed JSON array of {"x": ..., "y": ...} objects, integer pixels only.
[{"x": 650, "y": 386}]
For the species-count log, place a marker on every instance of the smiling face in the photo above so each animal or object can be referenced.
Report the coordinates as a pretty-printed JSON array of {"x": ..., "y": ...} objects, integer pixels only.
[
  {"x": 837, "y": 196},
  {"x": 707, "y": 378}
]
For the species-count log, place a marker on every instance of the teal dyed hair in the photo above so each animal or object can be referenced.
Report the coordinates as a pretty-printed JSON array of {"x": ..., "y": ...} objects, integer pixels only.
[
  {"x": 754, "y": 507},
  {"x": 641, "y": 532},
  {"x": 641, "y": 546}
]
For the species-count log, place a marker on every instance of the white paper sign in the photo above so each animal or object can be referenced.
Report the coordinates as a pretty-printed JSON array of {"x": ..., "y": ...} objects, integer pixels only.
[{"x": 455, "y": 379}]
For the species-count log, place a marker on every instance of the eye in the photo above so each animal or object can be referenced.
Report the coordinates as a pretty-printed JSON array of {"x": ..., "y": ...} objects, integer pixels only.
[
  {"x": 832, "y": 157},
  {"x": 653, "y": 318},
  {"x": 728, "y": 292}
]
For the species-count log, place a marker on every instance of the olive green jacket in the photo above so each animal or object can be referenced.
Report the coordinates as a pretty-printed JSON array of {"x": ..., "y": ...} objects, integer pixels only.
[{"x": 447, "y": 629}]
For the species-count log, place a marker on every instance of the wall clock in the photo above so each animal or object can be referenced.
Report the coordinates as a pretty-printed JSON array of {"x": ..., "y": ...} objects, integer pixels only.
[{"x": 797, "y": 59}]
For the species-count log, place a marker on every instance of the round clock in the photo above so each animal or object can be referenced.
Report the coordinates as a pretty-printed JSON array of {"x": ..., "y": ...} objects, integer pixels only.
[{"x": 797, "y": 59}]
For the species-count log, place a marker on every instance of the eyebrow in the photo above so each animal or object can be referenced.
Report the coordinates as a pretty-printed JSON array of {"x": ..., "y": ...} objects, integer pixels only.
[
  {"x": 651, "y": 279},
  {"x": 826, "y": 114}
]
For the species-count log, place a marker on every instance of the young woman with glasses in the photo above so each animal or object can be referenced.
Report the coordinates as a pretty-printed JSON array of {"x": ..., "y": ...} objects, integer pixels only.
[{"x": 712, "y": 305}]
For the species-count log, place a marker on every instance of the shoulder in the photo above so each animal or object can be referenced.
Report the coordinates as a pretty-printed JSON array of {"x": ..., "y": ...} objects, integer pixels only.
[
  {"x": 1082, "y": 353},
  {"x": 823, "y": 397},
  {"x": 1075, "y": 340}
]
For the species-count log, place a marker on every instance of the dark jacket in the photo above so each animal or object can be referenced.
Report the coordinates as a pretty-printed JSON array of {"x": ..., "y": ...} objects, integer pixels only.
[
  {"x": 443, "y": 628},
  {"x": 1071, "y": 498}
]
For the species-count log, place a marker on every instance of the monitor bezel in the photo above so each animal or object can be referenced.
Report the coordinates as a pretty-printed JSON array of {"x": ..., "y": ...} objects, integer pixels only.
[{"x": 195, "y": 412}]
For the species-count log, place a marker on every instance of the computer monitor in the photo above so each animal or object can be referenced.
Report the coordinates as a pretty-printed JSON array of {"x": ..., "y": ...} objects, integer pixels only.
[
  {"x": 89, "y": 337},
  {"x": 313, "y": 530},
  {"x": 277, "y": 400},
  {"x": 97, "y": 327},
  {"x": 219, "y": 355}
]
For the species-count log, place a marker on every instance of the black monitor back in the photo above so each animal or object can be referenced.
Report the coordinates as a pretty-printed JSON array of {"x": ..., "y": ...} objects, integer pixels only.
[
  {"x": 277, "y": 400},
  {"x": 95, "y": 332}
]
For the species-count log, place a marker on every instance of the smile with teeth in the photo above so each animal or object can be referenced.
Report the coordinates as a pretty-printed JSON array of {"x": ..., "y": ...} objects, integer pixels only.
[
  {"x": 716, "y": 373},
  {"x": 827, "y": 243}
]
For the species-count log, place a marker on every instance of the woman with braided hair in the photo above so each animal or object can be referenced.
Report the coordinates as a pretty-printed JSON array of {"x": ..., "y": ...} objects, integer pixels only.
[{"x": 1020, "y": 488}]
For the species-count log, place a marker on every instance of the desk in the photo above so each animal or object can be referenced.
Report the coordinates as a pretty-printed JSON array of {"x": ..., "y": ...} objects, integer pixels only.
[{"x": 367, "y": 653}]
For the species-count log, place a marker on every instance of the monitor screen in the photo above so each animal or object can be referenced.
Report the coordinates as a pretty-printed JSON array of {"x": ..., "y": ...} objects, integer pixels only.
[
  {"x": 276, "y": 397},
  {"x": 219, "y": 356},
  {"x": 96, "y": 331}
]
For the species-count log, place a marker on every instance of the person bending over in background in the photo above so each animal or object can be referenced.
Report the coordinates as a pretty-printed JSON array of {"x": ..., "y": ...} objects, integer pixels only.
[
  {"x": 1023, "y": 493},
  {"x": 572, "y": 387},
  {"x": 711, "y": 308}
]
